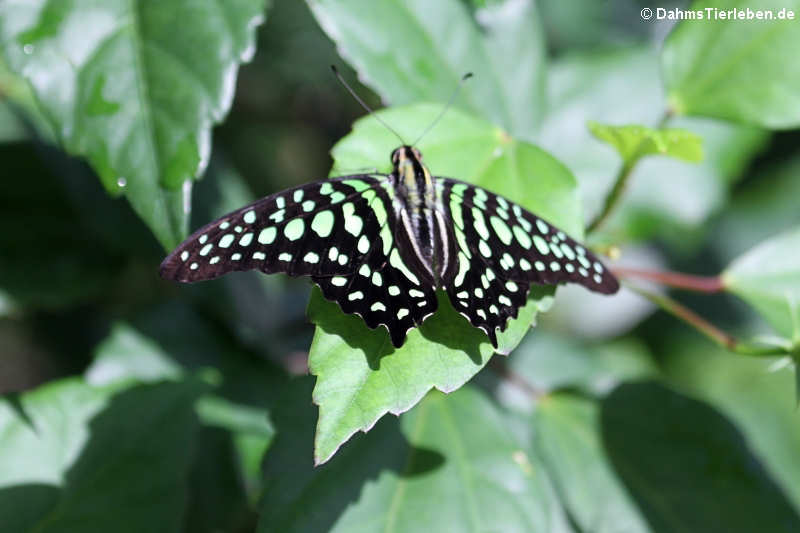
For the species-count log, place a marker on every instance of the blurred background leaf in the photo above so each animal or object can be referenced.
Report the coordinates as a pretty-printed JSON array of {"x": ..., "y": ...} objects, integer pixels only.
[
  {"x": 692, "y": 452},
  {"x": 66, "y": 446},
  {"x": 768, "y": 278},
  {"x": 82, "y": 309},
  {"x": 448, "y": 464},
  {"x": 135, "y": 94},
  {"x": 736, "y": 69},
  {"x": 418, "y": 51}
]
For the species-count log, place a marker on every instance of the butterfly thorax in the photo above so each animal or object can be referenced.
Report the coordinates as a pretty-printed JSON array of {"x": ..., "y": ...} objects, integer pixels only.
[{"x": 416, "y": 205}]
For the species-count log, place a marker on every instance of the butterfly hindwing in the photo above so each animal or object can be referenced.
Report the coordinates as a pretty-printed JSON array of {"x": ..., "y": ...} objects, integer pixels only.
[
  {"x": 385, "y": 289},
  {"x": 321, "y": 228}
]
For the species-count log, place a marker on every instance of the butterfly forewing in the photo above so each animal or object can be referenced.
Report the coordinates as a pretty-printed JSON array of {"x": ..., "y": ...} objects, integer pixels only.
[
  {"x": 322, "y": 229},
  {"x": 341, "y": 232},
  {"x": 520, "y": 245}
]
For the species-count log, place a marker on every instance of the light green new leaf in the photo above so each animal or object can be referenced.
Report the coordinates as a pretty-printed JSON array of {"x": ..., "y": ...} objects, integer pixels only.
[
  {"x": 567, "y": 438},
  {"x": 768, "y": 278},
  {"x": 134, "y": 86},
  {"x": 416, "y": 50},
  {"x": 361, "y": 376},
  {"x": 449, "y": 465},
  {"x": 666, "y": 197},
  {"x": 740, "y": 70},
  {"x": 65, "y": 449},
  {"x": 634, "y": 142}
]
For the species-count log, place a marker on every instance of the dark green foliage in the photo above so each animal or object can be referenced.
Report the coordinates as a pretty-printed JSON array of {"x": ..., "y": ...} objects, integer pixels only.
[{"x": 133, "y": 404}]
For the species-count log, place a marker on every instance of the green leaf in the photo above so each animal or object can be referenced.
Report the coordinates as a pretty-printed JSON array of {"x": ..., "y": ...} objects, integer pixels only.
[
  {"x": 666, "y": 198},
  {"x": 418, "y": 51},
  {"x": 52, "y": 257},
  {"x": 759, "y": 209},
  {"x": 740, "y": 70},
  {"x": 745, "y": 389},
  {"x": 237, "y": 418},
  {"x": 673, "y": 452},
  {"x": 549, "y": 362},
  {"x": 437, "y": 469},
  {"x": 132, "y": 91},
  {"x": 361, "y": 376},
  {"x": 67, "y": 446},
  {"x": 567, "y": 438},
  {"x": 634, "y": 142},
  {"x": 768, "y": 278}
]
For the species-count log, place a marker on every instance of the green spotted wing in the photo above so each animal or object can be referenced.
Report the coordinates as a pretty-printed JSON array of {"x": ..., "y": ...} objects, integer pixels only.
[
  {"x": 501, "y": 249},
  {"x": 346, "y": 234},
  {"x": 340, "y": 232}
]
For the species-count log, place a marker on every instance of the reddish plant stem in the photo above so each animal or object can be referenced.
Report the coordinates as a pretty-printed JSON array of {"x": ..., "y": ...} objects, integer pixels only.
[
  {"x": 709, "y": 284},
  {"x": 708, "y": 329}
]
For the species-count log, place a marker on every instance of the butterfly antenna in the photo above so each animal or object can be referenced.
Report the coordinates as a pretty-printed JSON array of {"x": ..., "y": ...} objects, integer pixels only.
[
  {"x": 453, "y": 96},
  {"x": 364, "y": 104}
]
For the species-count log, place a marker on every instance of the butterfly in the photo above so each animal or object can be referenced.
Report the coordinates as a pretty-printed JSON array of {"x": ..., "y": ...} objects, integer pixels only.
[{"x": 381, "y": 245}]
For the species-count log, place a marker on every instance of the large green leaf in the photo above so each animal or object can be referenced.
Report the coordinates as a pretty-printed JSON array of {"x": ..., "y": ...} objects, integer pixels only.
[
  {"x": 173, "y": 342},
  {"x": 449, "y": 465},
  {"x": 688, "y": 467},
  {"x": 741, "y": 70},
  {"x": 665, "y": 197},
  {"x": 567, "y": 438},
  {"x": 746, "y": 389},
  {"x": 52, "y": 257},
  {"x": 134, "y": 86},
  {"x": 82, "y": 458},
  {"x": 768, "y": 278},
  {"x": 361, "y": 376},
  {"x": 413, "y": 50}
]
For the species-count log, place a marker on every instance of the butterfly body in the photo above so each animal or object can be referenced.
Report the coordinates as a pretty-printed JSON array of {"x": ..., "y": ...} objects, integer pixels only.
[{"x": 382, "y": 244}]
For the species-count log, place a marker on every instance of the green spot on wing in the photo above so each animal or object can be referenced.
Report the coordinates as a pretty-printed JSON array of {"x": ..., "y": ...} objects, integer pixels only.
[
  {"x": 323, "y": 223},
  {"x": 294, "y": 229}
]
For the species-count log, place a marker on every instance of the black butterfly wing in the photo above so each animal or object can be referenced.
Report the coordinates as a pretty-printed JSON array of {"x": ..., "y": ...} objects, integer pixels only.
[
  {"x": 341, "y": 232},
  {"x": 502, "y": 248},
  {"x": 322, "y": 228}
]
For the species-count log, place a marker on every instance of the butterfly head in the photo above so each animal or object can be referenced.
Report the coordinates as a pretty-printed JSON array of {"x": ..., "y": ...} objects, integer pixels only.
[{"x": 405, "y": 153}]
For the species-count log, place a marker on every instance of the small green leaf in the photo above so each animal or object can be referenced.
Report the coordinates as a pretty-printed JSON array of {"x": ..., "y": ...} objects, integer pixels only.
[
  {"x": 125, "y": 86},
  {"x": 672, "y": 452},
  {"x": 768, "y": 278},
  {"x": 220, "y": 412},
  {"x": 361, "y": 376},
  {"x": 418, "y": 51},
  {"x": 67, "y": 446},
  {"x": 740, "y": 70},
  {"x": 634, "y": 142},
  {"x": 450, "y": 464},
  {"x": 666, "y": 197}
]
